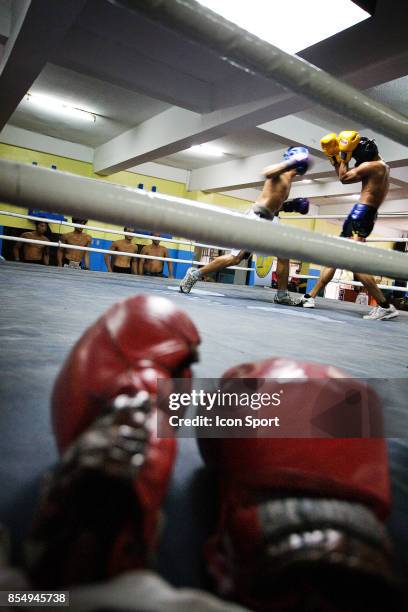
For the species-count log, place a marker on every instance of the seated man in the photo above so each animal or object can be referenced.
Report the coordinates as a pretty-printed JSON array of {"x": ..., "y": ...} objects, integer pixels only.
[
  {"x": 278, "y": 181},
  {"x": 154, "y": 267},
  {"x": 75, "y": 258},
  {"x": 33, "y": 253},
  {"x": 121, "y": 263}
]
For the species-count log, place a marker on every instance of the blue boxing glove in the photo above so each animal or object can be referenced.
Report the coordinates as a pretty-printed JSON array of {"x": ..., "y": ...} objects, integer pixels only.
[
  {"x": 298, "y": 158},
  {"x": 299, "y": 205}
]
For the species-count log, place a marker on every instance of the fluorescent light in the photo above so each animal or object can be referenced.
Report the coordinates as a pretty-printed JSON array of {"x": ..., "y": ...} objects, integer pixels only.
[
  {"x": 291, "y": 26},
  {"x": 60, "y": 107},
  {"x": 205, "y": 150}
]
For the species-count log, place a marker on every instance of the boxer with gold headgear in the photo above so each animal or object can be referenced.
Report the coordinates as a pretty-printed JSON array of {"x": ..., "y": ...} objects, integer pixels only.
[{"x": 373, "y": 173}]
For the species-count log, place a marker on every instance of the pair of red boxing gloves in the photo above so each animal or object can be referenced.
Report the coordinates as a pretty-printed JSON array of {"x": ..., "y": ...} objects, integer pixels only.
[{"x": 300, "y": 522}]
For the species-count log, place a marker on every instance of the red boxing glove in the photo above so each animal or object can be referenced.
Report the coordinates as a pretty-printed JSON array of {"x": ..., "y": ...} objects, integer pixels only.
[
  {"x": 133, "y": 344},
  {"x": 299, "y": 515},
  {"x": 99, "y": 515}
]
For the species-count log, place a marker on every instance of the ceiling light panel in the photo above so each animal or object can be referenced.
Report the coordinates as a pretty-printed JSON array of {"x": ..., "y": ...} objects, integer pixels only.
[
  {"x": 291, "y": 26},
  {"x": 59, "y": 107}
]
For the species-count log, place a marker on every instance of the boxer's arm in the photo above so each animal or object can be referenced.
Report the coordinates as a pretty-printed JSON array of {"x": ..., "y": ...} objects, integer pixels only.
[
  {"x": 355, "y": 175},
  {"x": 276, "y": 170},
  {"x": 47, "y": 256}
]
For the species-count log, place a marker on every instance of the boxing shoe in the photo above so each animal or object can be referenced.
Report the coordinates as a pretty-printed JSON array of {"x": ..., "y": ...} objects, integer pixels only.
[
  {"x": 309, "y": 302},
  {"x": 382, "y": 314},
  {"x": 187, "y": 283},
  {"x": 100, "y": 511},
  {"x": 301, "y": 519},
  {"x": 287, "y": 300}
]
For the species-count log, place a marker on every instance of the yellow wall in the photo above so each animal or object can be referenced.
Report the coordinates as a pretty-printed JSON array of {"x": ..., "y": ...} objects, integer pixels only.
[
  {"x": 83, "y": 169},
  {"x": 129, "y": 179}
]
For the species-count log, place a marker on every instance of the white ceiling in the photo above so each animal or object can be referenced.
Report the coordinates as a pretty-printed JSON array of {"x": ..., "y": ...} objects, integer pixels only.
[
  {"x": 117, "y": 108},
  {"x": 155, "y": 94}
]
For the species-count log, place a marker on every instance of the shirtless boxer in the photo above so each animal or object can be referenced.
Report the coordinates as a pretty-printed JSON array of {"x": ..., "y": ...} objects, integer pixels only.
[
  {"x": 73, "y": 258},
  {"x": 33, "y": 253},
  {"x": 154, "y": 267},
  {"x": 272, "y": 199},
  {"x": 373, "y": 173},
  {"x": 121, "y": 263}
]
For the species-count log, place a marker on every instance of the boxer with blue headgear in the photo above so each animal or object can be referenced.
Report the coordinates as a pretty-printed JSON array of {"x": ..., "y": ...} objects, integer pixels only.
[{"x": 273, "y": 198}]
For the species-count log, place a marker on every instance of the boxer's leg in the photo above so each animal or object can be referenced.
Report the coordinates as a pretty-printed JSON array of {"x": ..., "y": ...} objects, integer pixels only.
[
  {"x": 384, "y": 310},
  {"x": 282, "y": 296},
  {"x": 325, "y": 278},
  {"x": 219, "y": 263}
]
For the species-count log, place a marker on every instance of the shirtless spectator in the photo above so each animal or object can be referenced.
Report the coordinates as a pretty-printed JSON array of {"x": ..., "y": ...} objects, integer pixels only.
[
  {"x": 154, "y": 267},
  {"x": 121, "y": 263},
  {"x": 33, "y": 253},
  {"x": 75, "y": 258}
]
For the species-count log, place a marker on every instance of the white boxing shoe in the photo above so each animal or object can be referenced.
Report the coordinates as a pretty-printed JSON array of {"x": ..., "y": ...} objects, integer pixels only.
[
  {"x": 381, "y": 314},
  {"x": 309, "y": 302},
  {"x": 189, "y": 280}
]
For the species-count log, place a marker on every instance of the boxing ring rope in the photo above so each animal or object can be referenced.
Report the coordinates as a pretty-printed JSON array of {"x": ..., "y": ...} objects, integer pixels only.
[
  {"x": 109, "y": 231},
  {"x": 104, "y": 229},
  {"x": 253, "y": 55},
  {"x": 64, "y": 245},
  {"x": 47, "y": 189},
  {"x": 211, "y": 246}
]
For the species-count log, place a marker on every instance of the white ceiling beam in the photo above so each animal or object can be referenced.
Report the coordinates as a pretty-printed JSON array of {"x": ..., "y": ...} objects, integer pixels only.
[
  {"x": 36, "y": 29},
  {"x": 243, "y": 173},
  {"x": 353, "y": 67},
  {"x": 399, "y": 176},
  {"x": 246, "y": 172},
  {"x": 177, "y": 129},
  {"x": 18, "y": 137},
  {"x": 309, "y": 134},
  {"x": 296, "y": 130}
]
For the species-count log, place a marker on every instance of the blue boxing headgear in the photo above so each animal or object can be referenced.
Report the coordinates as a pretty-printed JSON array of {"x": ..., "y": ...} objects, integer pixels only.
[
  {"x": 292, "y": 151},
  {"x": 301, "y": 155}
]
